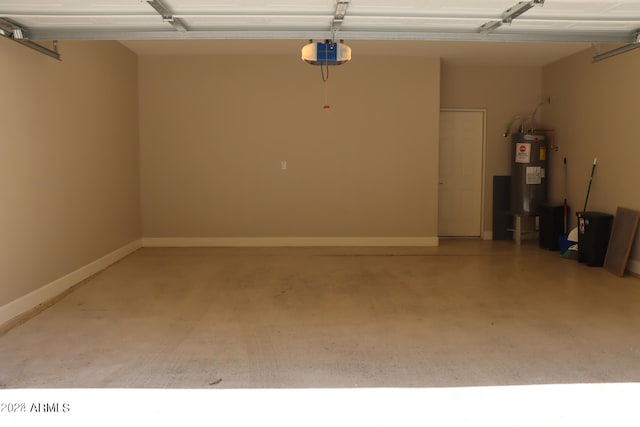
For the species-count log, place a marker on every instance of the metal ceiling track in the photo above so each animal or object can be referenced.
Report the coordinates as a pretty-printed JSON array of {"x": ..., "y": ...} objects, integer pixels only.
[
  {"x": 338, "y": 17},
  {"x": 12, "y": 31},
  {"x": 510, "y": 14},
  {"x": 167, "y": 16},
  {"x": 622, "y": 49}
]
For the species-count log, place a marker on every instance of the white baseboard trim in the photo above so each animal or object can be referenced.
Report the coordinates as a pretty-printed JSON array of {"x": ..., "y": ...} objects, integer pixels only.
[
  {"x": 634, "y": 266},
  {"x": 286, "y": 241},
  {"x": 41, "y": 295}
]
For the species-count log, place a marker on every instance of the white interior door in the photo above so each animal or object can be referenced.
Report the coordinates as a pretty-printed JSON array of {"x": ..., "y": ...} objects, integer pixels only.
[{"x": 461, "y": 171}]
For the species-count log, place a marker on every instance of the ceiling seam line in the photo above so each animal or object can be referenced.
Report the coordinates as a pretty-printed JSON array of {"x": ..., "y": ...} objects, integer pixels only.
[{"x": 579, "y": 37}]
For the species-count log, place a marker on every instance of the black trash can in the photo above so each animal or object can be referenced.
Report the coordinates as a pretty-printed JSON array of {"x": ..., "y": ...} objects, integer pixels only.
[
  {"x": 551, "y": 226},
  {"x": 594, "y": 230}
]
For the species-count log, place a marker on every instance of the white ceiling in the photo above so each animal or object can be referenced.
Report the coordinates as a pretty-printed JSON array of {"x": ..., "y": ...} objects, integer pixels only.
[{"x": 446, "y": 28}]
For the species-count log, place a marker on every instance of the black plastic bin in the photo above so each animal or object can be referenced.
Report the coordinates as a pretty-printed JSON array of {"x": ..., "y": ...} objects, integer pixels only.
[
  {"x": 551, "y": 226},
  {"x": 594, "y": 230}
]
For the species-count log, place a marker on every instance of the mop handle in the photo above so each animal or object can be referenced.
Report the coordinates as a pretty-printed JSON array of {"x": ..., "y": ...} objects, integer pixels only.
[
  {"x": 593, "y": 169},
  {"x": 566, "y": 209}
]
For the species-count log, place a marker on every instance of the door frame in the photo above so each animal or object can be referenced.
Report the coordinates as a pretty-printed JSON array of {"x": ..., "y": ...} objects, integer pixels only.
[{"x": 483, "y": 234}]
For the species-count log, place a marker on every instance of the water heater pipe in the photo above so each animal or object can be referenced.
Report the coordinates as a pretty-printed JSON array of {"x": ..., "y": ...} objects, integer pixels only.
[
  {"x": 507, "y": 128},
  {"x": 535, "y": 111}
]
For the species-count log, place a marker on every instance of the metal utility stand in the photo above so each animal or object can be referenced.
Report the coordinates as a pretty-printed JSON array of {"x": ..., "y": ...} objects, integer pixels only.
[{"x": 517, "y": 223}]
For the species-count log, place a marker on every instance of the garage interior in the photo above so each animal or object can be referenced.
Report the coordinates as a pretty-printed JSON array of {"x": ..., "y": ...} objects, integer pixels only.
[{"x": 180, "y": 211}]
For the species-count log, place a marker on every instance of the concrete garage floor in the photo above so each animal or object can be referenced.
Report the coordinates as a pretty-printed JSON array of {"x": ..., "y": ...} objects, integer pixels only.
[{"x": 467, "y": 313}]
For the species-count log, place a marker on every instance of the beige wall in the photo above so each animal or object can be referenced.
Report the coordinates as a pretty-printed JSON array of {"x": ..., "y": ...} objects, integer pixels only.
[
  {"x": 69, "y": 164},
  {"x": 214, "y": 130},
  {"x": 595, "y": 113},
  {"x": 503, "y": 92}
]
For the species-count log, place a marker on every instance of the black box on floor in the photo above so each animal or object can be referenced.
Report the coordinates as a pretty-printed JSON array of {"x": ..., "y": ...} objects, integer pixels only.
[
  {"x": 502, "y": 218},
  {"x": 594, "y": 230},
  {"x": 551, "y": 226}
]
